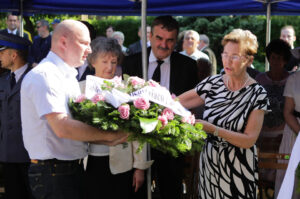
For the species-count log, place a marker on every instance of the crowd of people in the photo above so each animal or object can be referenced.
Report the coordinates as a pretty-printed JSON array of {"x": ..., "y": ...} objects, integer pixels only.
[{"x": 42, "y": 147}]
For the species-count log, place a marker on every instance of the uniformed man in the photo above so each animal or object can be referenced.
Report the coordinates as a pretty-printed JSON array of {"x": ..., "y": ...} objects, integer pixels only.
[{"x": 13, "y": 156}]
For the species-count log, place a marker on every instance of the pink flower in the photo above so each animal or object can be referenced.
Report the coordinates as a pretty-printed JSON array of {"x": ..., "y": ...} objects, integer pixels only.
[
  {"x": 97, "y": 98},
  {"x": 163, "y": 119},
  {"x": 124, "y": 111},
  {"x": 136, "y": 81},
  {"x": 153, "y": 83},
  {"x": 168, "y": 113},
  {"x": 80, "y": 98},
  {"x": 141, "y": 103},
  {"x": 117, "y": 80},
  {"x": 189, "y": 119}
]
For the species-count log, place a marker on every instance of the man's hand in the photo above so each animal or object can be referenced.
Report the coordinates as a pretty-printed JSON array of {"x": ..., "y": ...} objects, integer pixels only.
[{"x": 138, "y": 179}]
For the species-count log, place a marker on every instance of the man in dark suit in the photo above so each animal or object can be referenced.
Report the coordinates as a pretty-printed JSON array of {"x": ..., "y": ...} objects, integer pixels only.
[
  {"x": 13, "y": 155},
  {"x": 204, "y": 47},
  {"x": 12, "y": 26},
  {"x": 176, "y": 72},
  {"x": 136, "y": 47}
]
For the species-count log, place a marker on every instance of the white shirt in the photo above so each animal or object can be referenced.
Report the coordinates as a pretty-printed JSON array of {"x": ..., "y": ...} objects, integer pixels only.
[
  {"x": 165, "y": 70},
  {"x": 46, "y": 89},
  {"x": 19, "y": 72},
  {"x": 12, "y": 31},
  {"x": 197, "y": 54}
]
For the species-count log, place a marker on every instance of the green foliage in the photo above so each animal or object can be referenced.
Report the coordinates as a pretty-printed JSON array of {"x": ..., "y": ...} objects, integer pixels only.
[{"x": 175, "y": 138}]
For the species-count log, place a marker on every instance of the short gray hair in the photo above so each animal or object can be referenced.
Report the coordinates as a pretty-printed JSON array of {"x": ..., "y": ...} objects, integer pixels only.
[
  {"x": 204, "y": 38},
  {"x": 194, "y": 33},
  {"x": 43, "y": 22},
  {"x": 120, "y": 34},
  {"x": 103, "y": 45}
]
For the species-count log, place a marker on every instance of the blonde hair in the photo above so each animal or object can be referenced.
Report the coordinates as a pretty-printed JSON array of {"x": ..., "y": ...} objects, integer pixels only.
[{"x": 246, "y": 40}]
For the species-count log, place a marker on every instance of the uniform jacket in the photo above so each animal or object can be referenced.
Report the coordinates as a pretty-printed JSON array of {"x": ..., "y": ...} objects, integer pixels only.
[
  {"x": 11, "y": 139},
  {"x": 183, "y": 76}
]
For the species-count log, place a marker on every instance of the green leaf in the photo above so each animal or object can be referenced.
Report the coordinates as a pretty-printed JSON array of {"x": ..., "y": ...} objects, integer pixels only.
[{"x": 148, "y": 125}]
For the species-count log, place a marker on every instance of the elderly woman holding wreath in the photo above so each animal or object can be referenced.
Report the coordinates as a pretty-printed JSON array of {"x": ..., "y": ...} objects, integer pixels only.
[{"x": 234, "y": 111}]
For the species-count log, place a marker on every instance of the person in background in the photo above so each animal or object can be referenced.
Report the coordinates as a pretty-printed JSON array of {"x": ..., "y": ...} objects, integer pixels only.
[
  {"x": 287, "y": 33},
  {"x": 109, "y": 31},
  {"x": 278, "y": 54},
  {"x": 55, "y": 142},
  {"x": 234, "y": 111},
  {"x": 170, "y": 69},
  {"x": 41, "y": 43},
  {"x": 12, "y": 24},
  {"x": 112, "y": 172},
  {"x": 119, "y": 36},
  {"x": 291, "y": 114},
  {"x": 54, "y": 23},
  {"x": 13, "y": 155},
  {"x": 137, "y": 46},
  {"x": 204, "y": 47},
  {"x": 190, "y": 44}
]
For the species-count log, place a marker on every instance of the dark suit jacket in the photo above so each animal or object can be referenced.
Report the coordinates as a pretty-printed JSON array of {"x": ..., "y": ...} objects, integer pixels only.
[
  {"x": 183, "y": 71},
  {"x": 11, "y": 139},
  {"x": 88, "y": 71},
  {"x": 134, "y": 48},
  {"x": 212, "y": 58},
  {"x": 18, "y": 33},
  {"x": 39, "y": 49}
]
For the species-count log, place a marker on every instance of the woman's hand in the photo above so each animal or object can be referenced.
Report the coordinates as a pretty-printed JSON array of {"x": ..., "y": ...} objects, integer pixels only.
[{"x": 138, "y": 179}]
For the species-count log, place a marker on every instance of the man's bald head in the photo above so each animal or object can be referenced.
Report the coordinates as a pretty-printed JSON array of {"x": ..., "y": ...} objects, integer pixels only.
[{"x": 71, "y": 41}]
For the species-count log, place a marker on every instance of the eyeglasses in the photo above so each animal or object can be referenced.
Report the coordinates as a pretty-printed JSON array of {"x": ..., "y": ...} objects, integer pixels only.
[
  {"x": 37, "y": 27},
  {"x": 232, "y": 57}
]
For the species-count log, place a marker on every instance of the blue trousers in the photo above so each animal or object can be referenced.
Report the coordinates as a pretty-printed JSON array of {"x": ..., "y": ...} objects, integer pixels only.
[{"x": 55, "y": 179}]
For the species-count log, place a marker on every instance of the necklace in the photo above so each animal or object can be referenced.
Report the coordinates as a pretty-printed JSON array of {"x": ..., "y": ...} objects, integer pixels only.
[{"x": 246, "y": 81}]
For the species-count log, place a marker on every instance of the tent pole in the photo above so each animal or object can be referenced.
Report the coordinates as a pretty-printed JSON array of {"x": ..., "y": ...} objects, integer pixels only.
[
  {"x": 21, "y": 20},
  {"x": 268, "y": 33},
  {"x": 145, "y": 76}
]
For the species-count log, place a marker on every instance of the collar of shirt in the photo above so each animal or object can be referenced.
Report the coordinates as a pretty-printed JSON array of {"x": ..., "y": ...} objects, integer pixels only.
[
  {"x": 152, "y": 58},
  {"x": 12, "y": 31},
  {"x": 165, "y": 69},
  {"x": 19, "y": 72},
  {"x": 66, "y": 70}
]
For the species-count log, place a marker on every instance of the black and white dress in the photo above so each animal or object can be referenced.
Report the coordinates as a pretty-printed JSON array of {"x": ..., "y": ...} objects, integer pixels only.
[{"x": 227, "y": 171}]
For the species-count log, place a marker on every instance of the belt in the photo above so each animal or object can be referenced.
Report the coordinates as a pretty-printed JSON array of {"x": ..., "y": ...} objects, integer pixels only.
[
  {"x": 297, "y": 114},
  {"x": 56, "y": 161}
]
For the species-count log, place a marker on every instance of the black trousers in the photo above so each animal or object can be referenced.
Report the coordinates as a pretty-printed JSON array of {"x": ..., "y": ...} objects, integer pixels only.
[
  {"x": 101, "y": 183},
  {"x": 56, "y": 179},
  {"x": 16, "y": 184},
  {"x": 168, "y": 173}
]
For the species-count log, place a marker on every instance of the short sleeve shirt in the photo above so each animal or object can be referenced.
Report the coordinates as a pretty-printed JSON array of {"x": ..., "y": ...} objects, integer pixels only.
[
  {"x": 292, "y": 89},
  {"x": 47, "y": 89}
]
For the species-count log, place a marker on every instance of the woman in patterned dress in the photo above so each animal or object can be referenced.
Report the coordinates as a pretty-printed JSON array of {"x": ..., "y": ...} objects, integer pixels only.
[{"x": 234, "y": 111}]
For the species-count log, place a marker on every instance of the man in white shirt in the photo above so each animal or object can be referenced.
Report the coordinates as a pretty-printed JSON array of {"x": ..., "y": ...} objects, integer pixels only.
[
  {"x": 190, "y": 45},
  {"x": 56, "y": 143},
  {"x": 287, "y": 33}
]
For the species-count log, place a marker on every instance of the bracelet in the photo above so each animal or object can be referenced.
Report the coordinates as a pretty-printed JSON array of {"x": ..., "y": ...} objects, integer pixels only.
[{"x": 216, "y": 132}]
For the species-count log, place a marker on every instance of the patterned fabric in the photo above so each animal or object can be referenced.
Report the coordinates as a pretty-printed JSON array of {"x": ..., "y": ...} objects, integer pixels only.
[{"x": 227, "y": 171}]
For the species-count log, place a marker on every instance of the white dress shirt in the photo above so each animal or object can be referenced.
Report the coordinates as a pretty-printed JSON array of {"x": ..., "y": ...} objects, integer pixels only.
[
  {"x": 12, "y": 31},
  {"x": 165, "y": 70},
  {"x": 46, "y": 89},
  {"x": 19, "y": 72}
]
